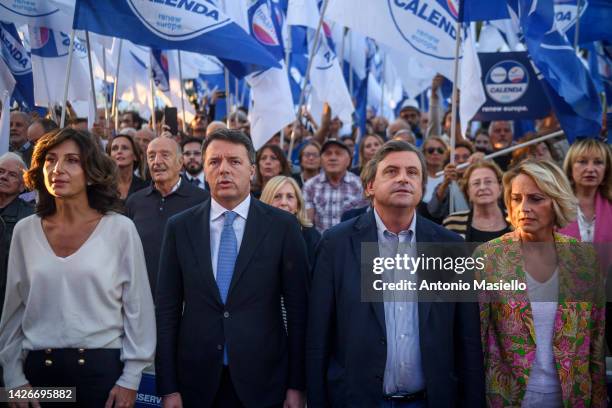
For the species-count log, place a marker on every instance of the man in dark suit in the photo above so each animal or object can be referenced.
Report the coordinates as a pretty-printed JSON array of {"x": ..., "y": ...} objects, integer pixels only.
[
  {"x": 224, "y": 266},
  {"x": 395, "y": 353},
  {"x": 168, "y": 195}
]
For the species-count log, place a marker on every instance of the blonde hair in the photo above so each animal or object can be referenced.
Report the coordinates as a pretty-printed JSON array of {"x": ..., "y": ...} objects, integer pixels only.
[
  {"x": 583, "y": 148},
  {"x": 275, "y": 184},
  {"x": 550, "y": 179}
]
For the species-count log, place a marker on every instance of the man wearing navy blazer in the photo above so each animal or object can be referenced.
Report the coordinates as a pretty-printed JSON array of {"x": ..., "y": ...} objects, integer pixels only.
[
  {"x": 225, "y": 264},
  {"x": 388, "y": 353}
]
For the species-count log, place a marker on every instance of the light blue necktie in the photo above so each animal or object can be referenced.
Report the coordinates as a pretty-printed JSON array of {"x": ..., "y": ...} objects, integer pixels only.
[
  {"x": 228, "y": 251},
  {"x": 226, "y": 261}
]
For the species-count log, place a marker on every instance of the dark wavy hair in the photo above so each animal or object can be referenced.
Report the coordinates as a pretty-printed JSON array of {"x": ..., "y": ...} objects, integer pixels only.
[
  {"x": 139, "y": 162},
  {"x": 280, "y": 156},
  {"x": 100, "y": 172}
]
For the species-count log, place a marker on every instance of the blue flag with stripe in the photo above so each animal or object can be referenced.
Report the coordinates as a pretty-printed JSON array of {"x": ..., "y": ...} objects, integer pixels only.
[
  {"x": 190, "y": 25},
  {"x": 595, "y": 19},
  {"x": 480, "y": 10},
  {"x": 566, "y": 81}
]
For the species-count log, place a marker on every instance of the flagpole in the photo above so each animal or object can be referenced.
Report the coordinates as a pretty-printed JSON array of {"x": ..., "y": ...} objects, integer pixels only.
[
  {"x": 341, "y": 53},
  {"x": 105, "y": 88},
  {"x": 382, "y": 86},
  {"x": 152, "y": 86},
  {"x": 315, "y": 45},
  {"x": 182, "y": 92},
  {"x": 228, "y": 108},
  {"x": 91, "y": 76},
  {"x": 67, "y": 81},
  {"x": 454, "y": 107},
  {"x": 577, "y": 25},
  {"x": 351, "y": 80},
  {"x": 510, "y": 149},
  {"x": 114, "y": 108}
]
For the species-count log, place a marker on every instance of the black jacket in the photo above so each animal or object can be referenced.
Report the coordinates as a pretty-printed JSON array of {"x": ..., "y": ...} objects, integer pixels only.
[
  {"x": 9, "y": 216},
  {"x": 346, "y": 349},
  {"x": 193, "y": 324}
]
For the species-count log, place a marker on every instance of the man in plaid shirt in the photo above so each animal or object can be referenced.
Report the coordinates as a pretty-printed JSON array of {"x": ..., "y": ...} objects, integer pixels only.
[{"x": 335, "y": 190}]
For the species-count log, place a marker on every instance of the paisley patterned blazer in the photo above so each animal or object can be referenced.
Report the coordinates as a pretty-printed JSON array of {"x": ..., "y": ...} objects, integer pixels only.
[{"x": 508, "y": 333}]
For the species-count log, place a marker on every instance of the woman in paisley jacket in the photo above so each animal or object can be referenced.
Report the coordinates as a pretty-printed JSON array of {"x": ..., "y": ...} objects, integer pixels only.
[{"x": 544, "y": 345}]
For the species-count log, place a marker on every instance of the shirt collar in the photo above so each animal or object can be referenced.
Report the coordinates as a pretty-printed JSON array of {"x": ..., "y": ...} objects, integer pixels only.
[
  {"x": 342, "y": 180},
  {"x": 382, "y": 229},
  {"x": 242, "y": 209},
  {"x": 174, "y": 189}
]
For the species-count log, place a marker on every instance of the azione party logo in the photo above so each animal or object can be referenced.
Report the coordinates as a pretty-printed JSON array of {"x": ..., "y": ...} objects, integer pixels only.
[
  {"x": 507, "y": 81},
  {"x": 262, "y": 26},
  {"x": 178, "y": 20}
]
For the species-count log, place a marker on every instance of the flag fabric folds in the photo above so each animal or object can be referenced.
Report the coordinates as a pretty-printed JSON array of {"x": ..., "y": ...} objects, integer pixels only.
[
  {"x": 566, "y": 80},
  {"x": 197, "y": 26}
]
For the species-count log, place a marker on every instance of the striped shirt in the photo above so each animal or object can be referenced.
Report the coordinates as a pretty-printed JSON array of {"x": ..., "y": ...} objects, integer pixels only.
[
  {"x": 461, "y": 223},
  {"x": 329, "y": 202}
]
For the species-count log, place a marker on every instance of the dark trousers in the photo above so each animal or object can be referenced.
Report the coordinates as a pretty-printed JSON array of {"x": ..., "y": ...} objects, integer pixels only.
[
  {"x": 226, "y": 394},
  {"x": 92, "y": 371}
]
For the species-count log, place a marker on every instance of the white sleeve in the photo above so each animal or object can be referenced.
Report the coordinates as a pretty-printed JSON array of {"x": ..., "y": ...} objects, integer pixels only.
[
  {"x": 12, "y": 354},
  {"x": 139, "y": 339}
]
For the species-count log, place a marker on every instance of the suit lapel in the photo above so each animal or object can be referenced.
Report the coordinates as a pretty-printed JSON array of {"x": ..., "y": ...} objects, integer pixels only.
[
  {"x": 199, "y": 234},
  {"x": 426, "y": 236},
  {"x": 255, "y": 232},
  {"x": 365, "y": 231}
]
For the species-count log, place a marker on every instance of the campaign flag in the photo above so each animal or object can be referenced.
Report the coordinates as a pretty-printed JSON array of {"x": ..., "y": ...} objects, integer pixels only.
[
  {"x": 303, "y": 13},
  {"x": 271, "y": 107},
  {"x": 328, "y": 83},
  {"x": 159, "y": 68},
  {"x": 595, "y": 19},
  {"x": 7, "y": 84},
  {"x": 481, "y": 10},
  {"x": 512, "y": 88},
  {"x": 197, "y": 26},
  {"x": 133, "y": 82},
  {"x": 472, "y": 94},
  {"x": 49, "y": 65},
  {"x": 566, "y": 80},
  {"x": 54, "y": 14},
  {"x": 18, "y": 59},
  {"x": 425, "y": 29}
]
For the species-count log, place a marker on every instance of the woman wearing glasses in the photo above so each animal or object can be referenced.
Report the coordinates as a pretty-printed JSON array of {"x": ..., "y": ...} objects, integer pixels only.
[
  {"x": 485, "y": 220},
  {"x": 435, "y": 150}
]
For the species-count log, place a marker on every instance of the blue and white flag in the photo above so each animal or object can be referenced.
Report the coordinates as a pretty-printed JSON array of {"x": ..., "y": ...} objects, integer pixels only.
[
  {"x": 566, "y": 80},
  {"x": 197, "y": 26},
  {"x": 7, "y": 84},
  {"x": 17, "y": 58},
  {"x": 54, "y": 14},
  {"x": 425, "y": 29},
  {"x": 49, "y": 65},
  {"x": 159, "y": 68},
  {"x": 595, "y": 19},
  {"x": 271, "y": 107}
]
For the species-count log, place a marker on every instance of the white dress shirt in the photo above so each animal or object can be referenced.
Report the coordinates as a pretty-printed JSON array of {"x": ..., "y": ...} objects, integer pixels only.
[
  {"x": 216, "y": 226},
  {"x": 98, "y": 297}
]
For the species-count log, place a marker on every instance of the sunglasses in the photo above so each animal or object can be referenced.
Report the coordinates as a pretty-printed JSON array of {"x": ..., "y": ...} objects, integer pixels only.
[{"x": 431, "y": 150}]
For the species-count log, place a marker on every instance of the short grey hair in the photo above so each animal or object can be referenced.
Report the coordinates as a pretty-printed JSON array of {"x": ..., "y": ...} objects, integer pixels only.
[
  {"x": 510, "y": 122},
  {"x": 369, "y": 172},
  {"x": 15, "y": 157}
]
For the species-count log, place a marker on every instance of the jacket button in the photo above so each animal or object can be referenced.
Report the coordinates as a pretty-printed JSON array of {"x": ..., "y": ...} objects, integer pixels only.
[
  {"x": 48, "y": 351},
  {"x": 219, "y": 347},
  {"x": 226, "y": 314},
  {"x": 81, "y": 361},
  {"x": 48, "y": 363},
  {"x": 383, "y": 342}
]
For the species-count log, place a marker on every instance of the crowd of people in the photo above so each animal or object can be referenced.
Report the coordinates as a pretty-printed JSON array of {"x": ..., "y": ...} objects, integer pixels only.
[{"x": 238, "y": 273}]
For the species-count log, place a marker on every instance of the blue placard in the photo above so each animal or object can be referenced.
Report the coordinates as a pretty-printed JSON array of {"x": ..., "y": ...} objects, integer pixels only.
[
  {"x": 512, "y": 89},
  {"x": 147, "y": 395}
]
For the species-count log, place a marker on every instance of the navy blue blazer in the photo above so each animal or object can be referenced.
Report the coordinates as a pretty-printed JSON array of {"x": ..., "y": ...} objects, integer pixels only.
[
  {"x": 193, "y": 324},
  {"x": 346, "y": 349}
]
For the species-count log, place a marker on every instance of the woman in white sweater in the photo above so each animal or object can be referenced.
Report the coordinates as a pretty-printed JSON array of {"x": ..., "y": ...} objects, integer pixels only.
[{"x": 78, "y": 310}]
